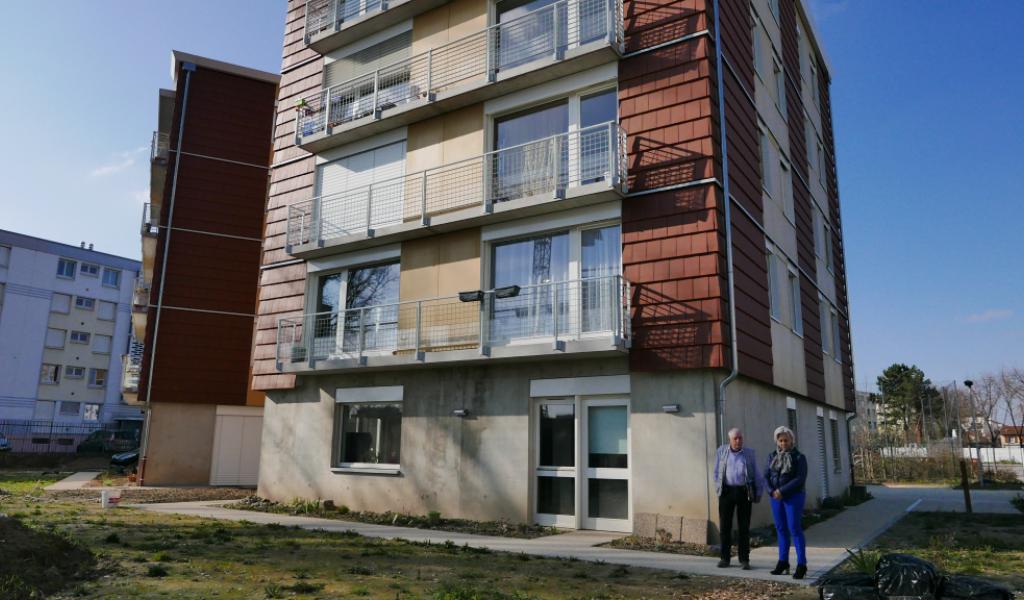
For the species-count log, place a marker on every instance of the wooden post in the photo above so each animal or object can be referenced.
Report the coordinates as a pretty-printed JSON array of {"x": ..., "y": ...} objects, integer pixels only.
[{"x": 966, "y": 485}]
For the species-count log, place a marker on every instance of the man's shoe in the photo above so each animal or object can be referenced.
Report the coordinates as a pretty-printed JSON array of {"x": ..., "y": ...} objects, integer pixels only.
[
  {"x": 801, "y": 570},
  {"x": 745, "y": 565},
  {"x": 722, "y": 564},
  {"x": 780, "y": 568}
]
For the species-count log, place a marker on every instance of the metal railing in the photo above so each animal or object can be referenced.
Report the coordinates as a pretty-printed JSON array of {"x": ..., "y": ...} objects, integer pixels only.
[
  {"x": 57, "y": 437},
  {"x": 150, "y": 219},
  {"x": 547, "y": 313},
  {"x": 140, "y": 295},
  {"x": 546, "y": 166},
  {"x": 131, "y": 368},
  {"x": 159, "y": 147},
  {"x": 330, "y": 15},
  {"x": 547, "y": 32}
]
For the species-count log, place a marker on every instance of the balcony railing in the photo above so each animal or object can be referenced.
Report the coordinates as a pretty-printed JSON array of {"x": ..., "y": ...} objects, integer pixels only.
[
  {"x": 159, "y": 147},
  {"x": 548, "y": 32},
  {"x": 150, "y": 219},
  {"x": 130, "y": 371},
  {"x": 328, "y": 15},
  {"x": 140, "y": 295},
  {"x": 549, "y": 166},
  {"x": 479, "y": 323}
]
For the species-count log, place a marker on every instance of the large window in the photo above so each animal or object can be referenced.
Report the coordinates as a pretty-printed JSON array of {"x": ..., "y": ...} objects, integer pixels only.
[
  {"x": 71, "y": 372},
  {"x": 90, "y": 269},
  {"x": 368, "y": 434},
  {"x": 837, "y": 464},
  {"x": 70, "y": 409},
  {"x": 55, "y": 337},
  {"x": 85, "y": 303},
  {"x": 107, "y": 311},
  {"x": 111, "y": 278},
  {"x": 837, "y": 348},
  {"x": 80, "y": 337},
  {"x": 91, "y": 413},
  {"x": 66, "y": 268},
  {"x": 101, "y": 344},
  {"x": 369, "y": 319},
  {"x": 97, "y": 378},
  {"x": 774, "y": 284},
  {"x": 60, "y": 303},
  {"x": 826, "y": 325},
  {"x": 348, "y": 185},
  {"x": 49, "y": 374},
  {"x": 794, "y": 302}
]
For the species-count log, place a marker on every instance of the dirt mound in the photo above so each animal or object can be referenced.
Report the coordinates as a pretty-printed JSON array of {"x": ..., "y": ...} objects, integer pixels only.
[{"x": 37, "y": 563}]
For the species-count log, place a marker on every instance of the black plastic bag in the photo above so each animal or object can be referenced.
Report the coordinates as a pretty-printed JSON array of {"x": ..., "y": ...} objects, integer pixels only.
[
  {"x": 959, "y": 587},
  {"x": 848, "y": 586},
  {"x": 906, "y": 575}
]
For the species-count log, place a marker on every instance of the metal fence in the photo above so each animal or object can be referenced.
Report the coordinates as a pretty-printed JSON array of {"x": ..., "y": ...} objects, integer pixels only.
[
  {"x": 54, "y": 437},
  {"x": 159, "y": 146},
  {"x": 150, "y": 219},
  {"x": 545, "y": 313},
  {"x": 547, "y": 32},
  {"x": 330, "y": 15},
  {"x": 548, "y": 166}
]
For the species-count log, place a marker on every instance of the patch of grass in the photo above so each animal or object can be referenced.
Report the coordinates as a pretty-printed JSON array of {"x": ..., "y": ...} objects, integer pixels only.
[
  {"x": 157, "y": 571},
  {"x": 27, "y": 482}
]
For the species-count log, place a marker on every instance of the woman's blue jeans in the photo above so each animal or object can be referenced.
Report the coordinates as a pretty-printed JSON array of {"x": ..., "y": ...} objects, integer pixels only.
[{"x": 788, "y": 513}]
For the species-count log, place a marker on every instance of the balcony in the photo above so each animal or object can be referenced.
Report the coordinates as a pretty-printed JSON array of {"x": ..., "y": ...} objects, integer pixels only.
[
  {"x": 150, "y": 225},
  {"x": 542, "y": 45},
  {"x": 586, "y": 316},
  {"x": 159, "y": 147},
  {"x": 572, "y": 169},
  {"x": 331, "y": 24}
]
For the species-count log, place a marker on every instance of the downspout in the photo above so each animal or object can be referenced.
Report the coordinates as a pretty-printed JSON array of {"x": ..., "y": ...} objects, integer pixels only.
[
  {"x": 188, "y": 68},
  {"x": 731, "y": 283}
]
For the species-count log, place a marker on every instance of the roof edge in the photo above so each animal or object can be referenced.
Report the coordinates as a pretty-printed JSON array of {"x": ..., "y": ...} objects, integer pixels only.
[{"x": 178, "y": 57}]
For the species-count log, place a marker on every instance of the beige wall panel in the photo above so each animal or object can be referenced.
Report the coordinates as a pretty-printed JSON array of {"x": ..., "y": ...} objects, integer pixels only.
[
  {"x": 180, "y": 444},
  {"x": 448, "y": 23},
  {"x": 788, "y": 369}
]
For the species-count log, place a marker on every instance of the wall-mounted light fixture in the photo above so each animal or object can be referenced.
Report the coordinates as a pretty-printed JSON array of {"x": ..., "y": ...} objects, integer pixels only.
[
  {"x": 461, "y": 412},
  {"x": 670, "y": 408},
  {"x": 471, "y": 296}
]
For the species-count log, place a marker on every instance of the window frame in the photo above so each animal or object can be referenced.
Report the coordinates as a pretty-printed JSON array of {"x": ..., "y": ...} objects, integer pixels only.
[
  {"x": 91, "y": 302},
  {"x": 93, "y": 269},
  {"x": 96, "y": 380},
  {"x": 63, "y": 341},
  {"x": 77, "y": 412},
  {"x": 62, "y": 263},
  {"x": 774, "y": 285},
  {"x": 5, "y": 256},
  {"x": 99, "y": 311},
  {"x": 779, "y": 83},
  {"x": 837, "y": 460},
  {"x": 55, "y": 369},
  {"x": 83, "y": 337},
  {"x": 117, "y": 275},
  {"x": 767, "y": 178},
  {"x": 825, "y": 325},
  {"x": 837, "y": 348},
  {"x": 71, "y": 303},
  {"x": 86, "y": 409},
  {"x": 338, "y": 433},
  {"x": 110, "y": 344},
  {"x": 793, "y": 280},
  {"x": 74, "y": 372}
]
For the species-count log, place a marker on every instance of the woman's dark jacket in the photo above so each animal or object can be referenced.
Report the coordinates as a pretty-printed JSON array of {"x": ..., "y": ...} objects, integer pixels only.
[{"x": 791, "y": 483}]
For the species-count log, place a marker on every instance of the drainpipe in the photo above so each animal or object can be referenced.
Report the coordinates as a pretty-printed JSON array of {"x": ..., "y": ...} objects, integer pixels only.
[
  {"x": 731, "y": 283},
  {"x": 188, "y": 68}
]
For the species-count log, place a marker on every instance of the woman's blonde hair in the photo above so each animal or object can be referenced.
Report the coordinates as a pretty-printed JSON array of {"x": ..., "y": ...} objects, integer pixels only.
[{"x": 783, "y": 430}]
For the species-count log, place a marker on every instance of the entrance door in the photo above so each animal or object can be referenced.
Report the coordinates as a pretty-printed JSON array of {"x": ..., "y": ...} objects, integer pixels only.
[
  {"x": 582, "y": 466},
  {"x": 606, "y": 496}
]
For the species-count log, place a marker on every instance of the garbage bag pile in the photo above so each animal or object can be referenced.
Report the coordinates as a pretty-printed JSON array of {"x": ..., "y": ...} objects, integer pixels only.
[{"x": 906, "y": 577}]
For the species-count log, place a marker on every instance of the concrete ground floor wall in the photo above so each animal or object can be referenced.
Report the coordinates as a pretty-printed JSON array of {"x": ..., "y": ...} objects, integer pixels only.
[
  {"x": 483, "y": 465},
  {"x": 180, "y": 444}
]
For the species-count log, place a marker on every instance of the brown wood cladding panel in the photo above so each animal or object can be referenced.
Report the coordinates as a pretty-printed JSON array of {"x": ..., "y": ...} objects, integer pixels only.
[
  {"x": 282, "y": 287},
  {"x": 671, "y": 239},
  {"x": 207, "y": 272},
  {"x": 202, "y": 358},
  {"x": 220, "y": 197},
  {"x": 814, "y": 365},
  {"x": 750, "y": 274}
]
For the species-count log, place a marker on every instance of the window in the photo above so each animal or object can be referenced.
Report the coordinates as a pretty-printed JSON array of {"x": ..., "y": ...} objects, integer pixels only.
[
  {"x": 826, "y": 327},
  {"x": 837, "y": 464},
  {"x": 774, "y": 285},
  {"x": 811, "y": 141},
  {"x": 49, "y": 374},
  {"x": 112, "y": 278},
  {"x": 779, "y": 81},
  {"x": 5, "y": 256},
  {"x": 92, "y": 412},
  {"x": 788, "y": 208},
  {"x": 755, "y": 34},
  {"x": 815, "y": 92},
  {"x": 829, "y": 249},
  {"x": 71, "y": 372},
  {"x": 767, "y": 177},
  {"x": 819, "y": 237},
  {"x": 55, "y": 337},
  {"x": 97, "y": 377},
  {"x": 791, "y": 419},
  {"x": 821, "y": 164},
  {"x": 773, "y": 5},
  {"x": 101, "y": 344},
  {"x": 794, "y": 301},
  {"x": 84, "y": 303},
  {"x": 70, "y": 409},
  {"x": 800, "y": 49},
  {"x": 60, "y": 303},
  {"x": 837, "y": 352},
  {"x": 368, "y": 434},
  {"x": 107, "y": 311},
  {"x": 364, "y": 302},
  {"x": 347, "y": 178},
  {"x": 66, "y": 268},
  {"x": 79, "y": 337},
  {"x": 90, "y": 269}
]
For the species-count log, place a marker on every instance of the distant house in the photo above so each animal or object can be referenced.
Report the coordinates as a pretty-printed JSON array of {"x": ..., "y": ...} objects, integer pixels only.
[{"x": 1010, "y": 435}]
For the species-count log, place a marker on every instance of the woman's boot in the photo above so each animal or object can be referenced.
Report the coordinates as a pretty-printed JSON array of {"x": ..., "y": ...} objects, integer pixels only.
[
  {"x": 780, "y": 568},
  {"x": 801, "y": 570}
]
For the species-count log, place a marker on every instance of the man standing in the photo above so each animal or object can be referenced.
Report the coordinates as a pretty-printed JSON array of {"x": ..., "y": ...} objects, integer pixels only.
[{"x": 738, "y": 487}]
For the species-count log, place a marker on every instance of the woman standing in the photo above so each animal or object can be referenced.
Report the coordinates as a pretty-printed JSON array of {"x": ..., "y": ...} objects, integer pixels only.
[{"x": 785, "y": 478}]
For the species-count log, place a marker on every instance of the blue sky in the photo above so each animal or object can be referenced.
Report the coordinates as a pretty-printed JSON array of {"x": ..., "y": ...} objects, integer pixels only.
[{"x": 926, "y": 102}]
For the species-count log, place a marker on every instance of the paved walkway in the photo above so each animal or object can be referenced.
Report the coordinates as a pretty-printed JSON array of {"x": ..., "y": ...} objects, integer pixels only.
[
  {"x": 943, "y": 499},
  {"x": 826, "y": 541},
  {"x": 75, "y": 481}
]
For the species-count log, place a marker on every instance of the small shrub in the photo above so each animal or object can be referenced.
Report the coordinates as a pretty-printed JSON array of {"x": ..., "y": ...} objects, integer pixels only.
[
  {"x": 273, "y": 590},
  {"x": 113, "y": 538},
  {"x": 163, "y": 557},
  {"x": 864, "y": 561},
  {"x": 343, "y": 510},
  {"x": 156, "y": 571},
  {"x": 663, "y": 536},
  {"x": 360, "y": 590},
  {"x": 433, "y": 518},
  {"x": 304, "y": 587}
]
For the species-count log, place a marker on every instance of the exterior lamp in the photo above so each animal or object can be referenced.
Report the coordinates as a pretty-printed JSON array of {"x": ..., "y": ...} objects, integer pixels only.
[
  {"x": 472, "y": 296},
  {"x": 509, "y": 291},
  {"x": 670, "y": 408},
  {"x": 461, "y": 412}
]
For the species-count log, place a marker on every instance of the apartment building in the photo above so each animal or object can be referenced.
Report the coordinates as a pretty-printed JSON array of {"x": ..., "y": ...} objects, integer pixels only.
[
  {"x": 501, "y": 277},
  {"x": 869, "y": 416},
  {"x": 64, "y": 328},
  {"x": 194, "y": 307}
]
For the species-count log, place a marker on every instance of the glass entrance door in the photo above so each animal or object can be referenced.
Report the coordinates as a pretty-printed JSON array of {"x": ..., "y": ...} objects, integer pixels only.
[
  {"x": 556, "y": 463},
  {"x": 606, "y": 497}
]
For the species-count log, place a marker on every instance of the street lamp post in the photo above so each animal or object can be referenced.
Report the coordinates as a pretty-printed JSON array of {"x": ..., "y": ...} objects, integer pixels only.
[{"x": 977, "y": 442}]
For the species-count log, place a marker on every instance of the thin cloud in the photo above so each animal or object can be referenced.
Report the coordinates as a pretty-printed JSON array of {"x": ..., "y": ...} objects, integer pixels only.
[
  {"x": 824, "y": 10},
  {"x": 123, "y": 161},
  {"x": 992, "y": 314}
]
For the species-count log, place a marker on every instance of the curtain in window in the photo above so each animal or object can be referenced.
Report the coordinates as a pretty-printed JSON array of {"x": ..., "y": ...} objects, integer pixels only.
[
  {"x": 529, "y": 161},
  {"x": 538, "y": 265},
  {"x": 527, "y": 31},
  {"x": 601, "y": 260}
]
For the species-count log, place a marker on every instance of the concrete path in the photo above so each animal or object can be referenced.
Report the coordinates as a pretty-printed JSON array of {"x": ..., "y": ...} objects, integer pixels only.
[
  {"x": 826, "y": 542},
  {"x": 75, "y": 481}
]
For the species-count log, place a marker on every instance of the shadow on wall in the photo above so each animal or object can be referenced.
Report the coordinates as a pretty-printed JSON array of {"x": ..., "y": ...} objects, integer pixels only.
[
  {"x": 651, "y": 23},
  {"x": 655, "y": 165}
]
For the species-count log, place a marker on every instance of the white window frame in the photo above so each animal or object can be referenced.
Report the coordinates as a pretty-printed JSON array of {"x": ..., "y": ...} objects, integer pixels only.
[
  {"x": 794, "y": 296},
  {"x": 57, "y": 295},
  {"x": 819, "y": 237},
  {"x": 773, "y": 7},
  {"x": 117, "y": 274},
  {"x": 313, "y": 287},
  {"x": 113, "y": 311},
  {"x": 837, "y": 347},
  {"x": 90, "y": 270},
  {"x": 786, "y": 180},
  {"x": 74, "y": 372},
  {"x": 87, "y": 408},
  {"x": 80, "y": 337},
  {"x": 363, "y": 396},
  {"x": 815, "y": 94},
  {"x": 825, "y": 325},
  {"x": 767, "y": 177},
  {"x": 61, "y": 268},
  {"x": 837, "y": 460},
  {"x": 96, "y": 380},
  {"x": 110, "y": 343},
  {"x": 779, "y": 83},
  {"x": 80, "y": 301},
  {"x": 63, "y": 338},
  {"x": 774, "y": 285},
  {"x": 755, "y": 34},
  {"x": 51, "y": 368}
]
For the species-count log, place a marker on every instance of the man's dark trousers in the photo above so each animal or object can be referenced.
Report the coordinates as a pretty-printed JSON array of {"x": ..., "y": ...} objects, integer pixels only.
[{"x": 734, "y": 499}]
